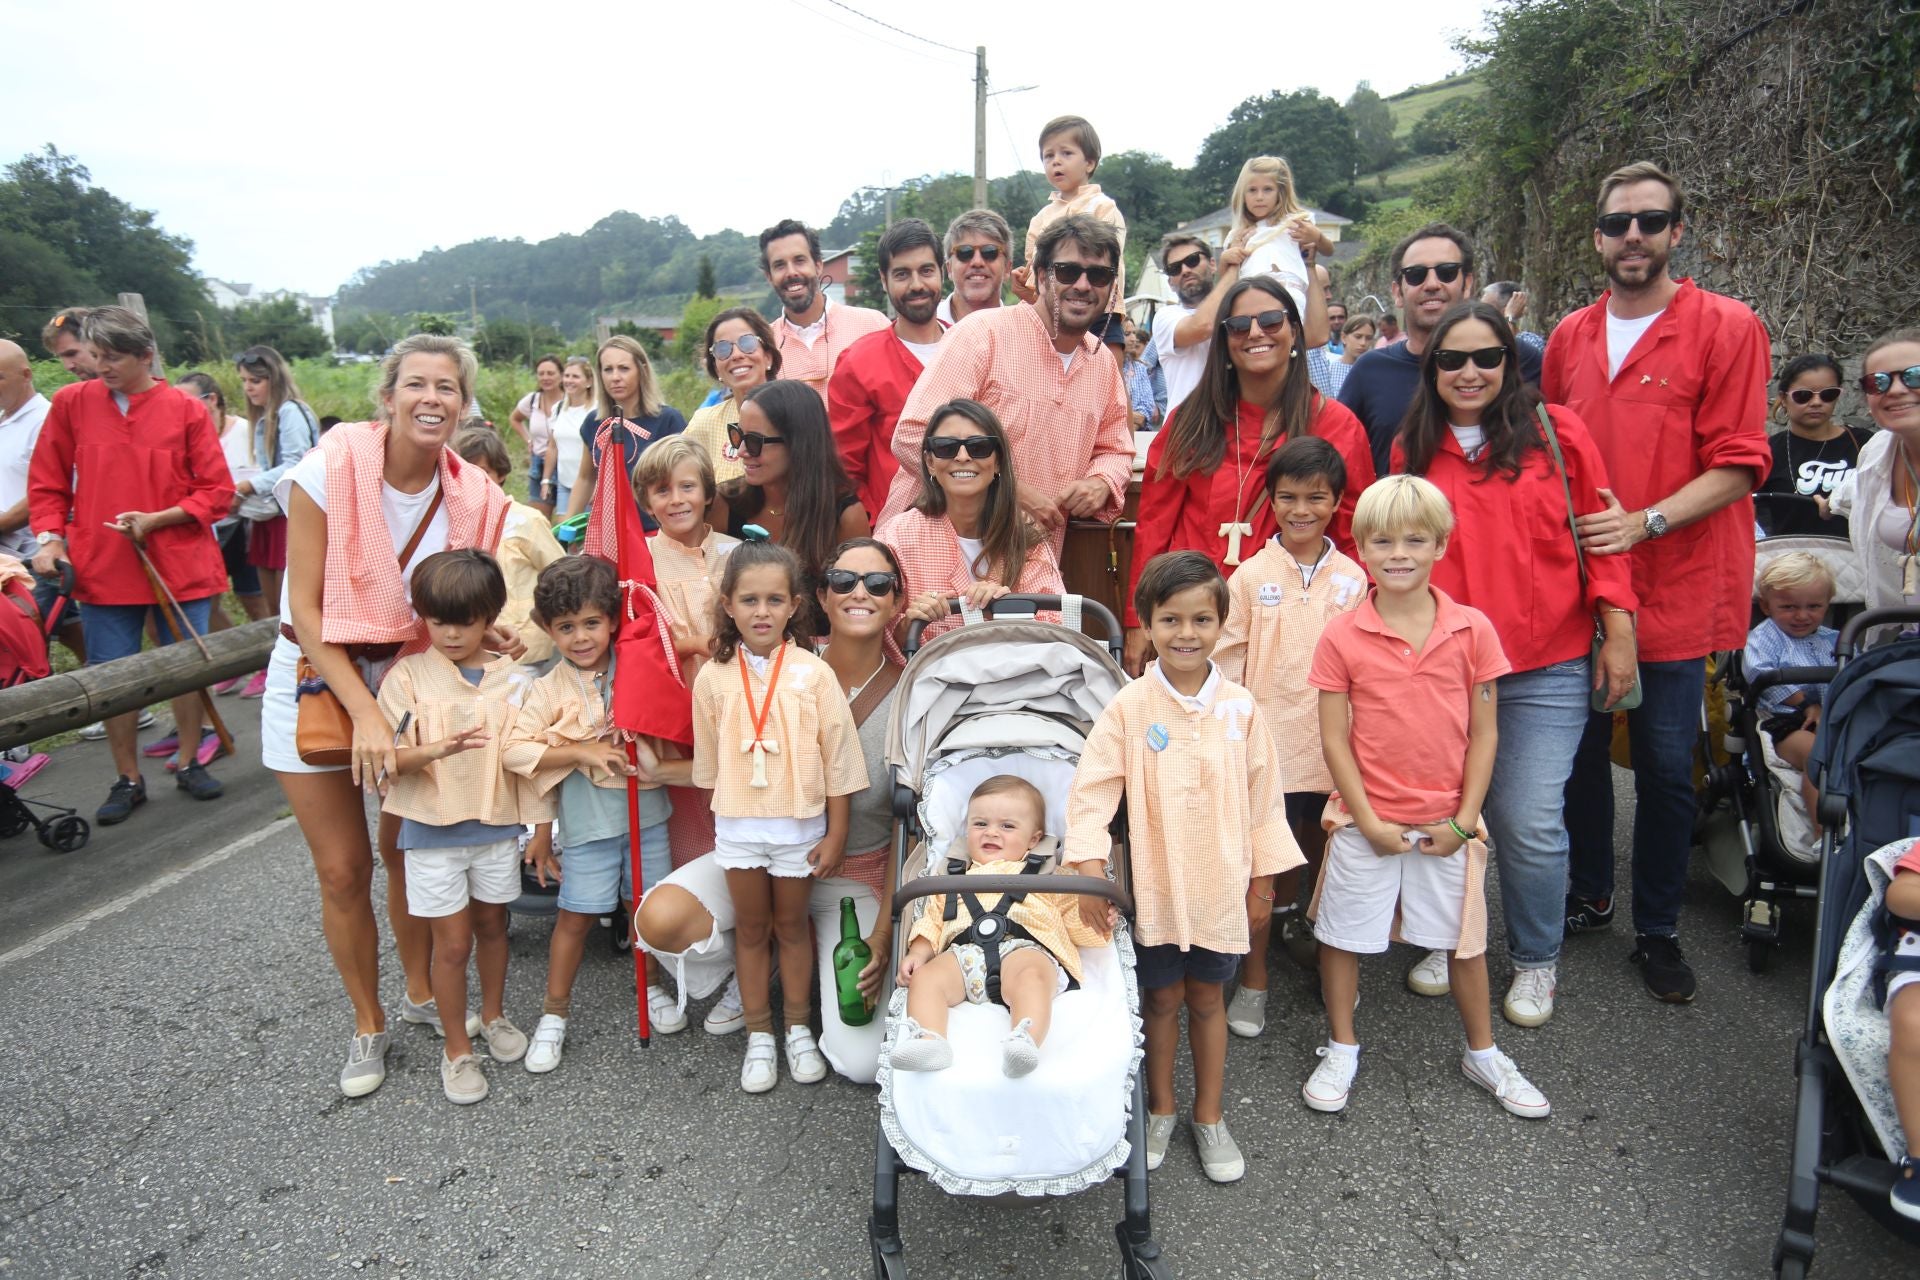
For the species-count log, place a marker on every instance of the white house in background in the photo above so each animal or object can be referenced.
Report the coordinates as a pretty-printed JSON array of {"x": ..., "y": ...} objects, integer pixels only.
[{"x": 226, "y": 296}]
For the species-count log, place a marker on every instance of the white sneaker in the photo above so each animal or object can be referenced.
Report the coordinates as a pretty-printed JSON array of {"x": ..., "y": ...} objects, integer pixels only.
[
  {"x": 759, "y": 1072},
  {"x": 1503, "y": 1080},
  {"x": 1327, "y": 1088},
  {"x": 727, "y": 1015},
  {"x": 98, "y": 729},
  {"x": 1529, "y": 1001},
  {"x": 1429, "y": 977},
  {"x": 664, "y": 1014},
  {"x": 543, "y": 1055},
  {"x": 804, "y": 1062},
  {"x": 1247, "y": 1012}
]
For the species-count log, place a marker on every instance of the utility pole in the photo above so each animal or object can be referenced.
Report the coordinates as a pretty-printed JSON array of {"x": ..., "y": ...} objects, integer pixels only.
[
  {"x": 473, "y": 304},
  {"x": 980, "y": 127}
]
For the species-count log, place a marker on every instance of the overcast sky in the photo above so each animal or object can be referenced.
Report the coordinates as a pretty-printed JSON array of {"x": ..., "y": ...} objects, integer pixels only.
[{"x": 294, "y": 145}]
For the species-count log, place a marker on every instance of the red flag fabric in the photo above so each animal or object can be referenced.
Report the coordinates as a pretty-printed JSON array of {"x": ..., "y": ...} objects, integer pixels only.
[{"x": 650, "y": 693}]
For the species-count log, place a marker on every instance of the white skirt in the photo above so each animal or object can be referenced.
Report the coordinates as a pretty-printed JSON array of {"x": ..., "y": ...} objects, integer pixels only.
[{"x": 279, "y": 715}]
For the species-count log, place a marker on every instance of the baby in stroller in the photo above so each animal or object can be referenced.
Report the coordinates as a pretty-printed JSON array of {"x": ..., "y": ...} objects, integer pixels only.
[
  {"x": 1021, "y": 952},
  {"x": 1794, "y": 591}
]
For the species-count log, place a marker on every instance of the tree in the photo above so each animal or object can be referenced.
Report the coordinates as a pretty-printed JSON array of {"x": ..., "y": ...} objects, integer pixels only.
[
  {"x": 649, "y": 339},
  {"x": 506, "y": 341},
  {"x": 1372, "y": 128},
  {"x": 1154, "y": 195},
  {"x": 366, "y": 332},
  {"x": 705, "y": 288},
  {"x": 435, "y": 322},
  {"x": 1306, "y": 127},
  {"x": 692, "y": 332},
  {"x": 282, "y": 324},
  {"x": 1443, "y": 129}
]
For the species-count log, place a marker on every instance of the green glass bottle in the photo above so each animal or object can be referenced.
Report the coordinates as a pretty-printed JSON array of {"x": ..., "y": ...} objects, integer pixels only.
[{"x": 850, "y": 956}]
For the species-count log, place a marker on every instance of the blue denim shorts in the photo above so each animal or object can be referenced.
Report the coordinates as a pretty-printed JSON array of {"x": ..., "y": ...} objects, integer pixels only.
[
  {"x": 598, "y": 875},
  {"x": 1166, "y": 964},
  {"x": 114, "y": 630}
]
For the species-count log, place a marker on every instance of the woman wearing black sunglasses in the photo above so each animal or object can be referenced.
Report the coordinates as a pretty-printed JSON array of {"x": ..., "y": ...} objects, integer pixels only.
[
  {"x": 1882, "y": 497},
  {"x": 1474, "y": 430},
  {"x": 1813, "y": 455},
  {"x": 965, "y": 535}
]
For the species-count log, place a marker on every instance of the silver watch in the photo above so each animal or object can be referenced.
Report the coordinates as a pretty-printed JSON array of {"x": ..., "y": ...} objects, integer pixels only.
[
  {"x": 44, "y": 538},
  {"x": 1656, "y": 524}
]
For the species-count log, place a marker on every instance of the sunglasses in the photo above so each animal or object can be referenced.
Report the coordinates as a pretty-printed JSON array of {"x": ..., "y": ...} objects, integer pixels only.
[
  {"x": 751, "y": 443},
  {"x": 1187, "y": 263},
  {"x": 1069, "y": 273},
  {"x": 1267, "y": 320},
  {"x": 1878, "y": 384},
  {"x": 947, "y": 448},
  {"x": 1652, "y": 222},
  {"x": 746, "y": 344},
  {"x": 842, "y": 582},
  {"x": 987, "y": 252},
  {"x": 1417, "y": 276},
  {"x": 1804, "y": 395},
  {"x": 1484, "y": 358}
]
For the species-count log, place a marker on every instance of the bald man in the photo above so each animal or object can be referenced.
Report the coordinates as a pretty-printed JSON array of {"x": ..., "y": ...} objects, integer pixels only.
[{"x": 22, "y": 409}]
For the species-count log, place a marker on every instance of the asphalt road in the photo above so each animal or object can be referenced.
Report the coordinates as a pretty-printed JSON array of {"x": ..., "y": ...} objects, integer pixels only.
[{"x": 171, "y": 1110}]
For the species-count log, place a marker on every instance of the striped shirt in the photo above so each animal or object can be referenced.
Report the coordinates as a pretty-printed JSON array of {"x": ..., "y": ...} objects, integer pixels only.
[{"x": 1768, "y": 647}]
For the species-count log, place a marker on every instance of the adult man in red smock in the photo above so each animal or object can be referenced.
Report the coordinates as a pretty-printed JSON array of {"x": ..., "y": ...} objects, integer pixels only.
[
  {"x": 121, "y": 459},
  {"x": 870, "y": 381},
  {"x": 1671, "y": 381}
]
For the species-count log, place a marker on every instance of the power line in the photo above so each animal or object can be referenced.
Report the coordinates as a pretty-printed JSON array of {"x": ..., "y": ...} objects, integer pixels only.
[
  {"x": 903, "y": 31},
  {"x": 866, "y": 34}
]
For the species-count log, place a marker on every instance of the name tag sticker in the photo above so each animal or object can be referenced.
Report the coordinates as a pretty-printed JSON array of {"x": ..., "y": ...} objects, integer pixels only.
[
  {"x": 1271, "y": 594},
  {"x": 1157, "y": 737}
]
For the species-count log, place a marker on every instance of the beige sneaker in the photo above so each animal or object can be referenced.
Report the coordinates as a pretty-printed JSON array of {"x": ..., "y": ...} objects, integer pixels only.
[
  {"x": 505, "y": 1042},
  {"x": 461, "y": 1079}
]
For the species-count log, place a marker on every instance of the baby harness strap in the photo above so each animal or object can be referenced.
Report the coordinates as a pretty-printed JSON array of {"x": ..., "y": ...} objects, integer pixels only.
[
  {"x": 991, "y": 928},
  {"x": 1887, "y": 960}
]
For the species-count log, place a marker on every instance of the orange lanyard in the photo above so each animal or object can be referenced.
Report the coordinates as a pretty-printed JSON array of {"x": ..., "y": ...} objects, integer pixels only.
[{"x": 757, "y": 746}]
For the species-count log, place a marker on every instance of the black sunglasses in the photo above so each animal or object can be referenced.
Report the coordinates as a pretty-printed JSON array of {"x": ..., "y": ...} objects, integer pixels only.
[
  {"x": 947, "y": 448},
  {"x": 842, "y": 582},
  {"x": 1417, "y": 276},
  {"x": 1069, "y": 273},
  {"x": 1484, "y": 358},
  {"x": 1187, "y": 263},
  {"x": 1878, "y": 384},
  {"x": 1652, "y": 222},
  {"x": 1805, "y": 395},
  {"x": 1267, "y": 320},
  {"x": 746, "y": 344},
  {"x": 751, "y": 443},
  {"x": 987, "y": 252}
]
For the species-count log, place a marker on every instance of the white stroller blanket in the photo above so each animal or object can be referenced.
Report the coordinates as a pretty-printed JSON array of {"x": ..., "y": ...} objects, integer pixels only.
[
  {"x": 1789, "y": 807},
  {"x": 1857, "y": 1030}
]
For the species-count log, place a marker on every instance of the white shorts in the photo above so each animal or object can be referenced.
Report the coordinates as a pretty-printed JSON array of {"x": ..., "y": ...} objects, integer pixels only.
[
  {"x": 1360, "y": 889},
  {"x": 440, "y": 882},
  {"x": 789, "y": 861}
]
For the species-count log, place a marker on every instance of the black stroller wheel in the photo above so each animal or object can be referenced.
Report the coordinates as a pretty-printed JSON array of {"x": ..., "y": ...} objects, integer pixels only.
[
  {"x": 68, "y": 834},
  {"x": 887, "y": 1266},
  {"x": 1792, "y": 1269},
  {"x": 13, "y": 820}
]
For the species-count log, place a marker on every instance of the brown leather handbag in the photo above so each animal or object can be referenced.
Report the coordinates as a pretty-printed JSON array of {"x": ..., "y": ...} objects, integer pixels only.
[{"x": 323, "y": 731}]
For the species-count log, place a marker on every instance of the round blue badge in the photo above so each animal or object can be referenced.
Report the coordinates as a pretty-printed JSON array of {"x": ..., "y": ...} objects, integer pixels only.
[{"x": 1157, "y": 737}]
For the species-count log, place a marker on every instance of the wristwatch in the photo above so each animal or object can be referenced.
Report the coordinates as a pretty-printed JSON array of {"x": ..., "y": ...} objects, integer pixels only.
[
  {"x": 44, "y": 538},
  {"x": 1656, "y": 524}
]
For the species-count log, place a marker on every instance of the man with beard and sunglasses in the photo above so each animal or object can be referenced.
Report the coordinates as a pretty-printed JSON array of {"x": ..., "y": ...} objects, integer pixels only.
[
  {"x": 1046, "y": 378},
  {"x": 1672, "y": 383},
  {"x": 1182, "y": 334},
  {"x": 870, "y": 382},
  {"x": 979, "y": 255},
  {"x": 811, "y": 331},
  {"x": 1432, "y": 269}
]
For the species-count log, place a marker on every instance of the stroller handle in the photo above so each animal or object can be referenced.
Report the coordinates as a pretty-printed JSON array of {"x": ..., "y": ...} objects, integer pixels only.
[
  {"x": 1853, "y": 635},
  {"x": 1116, "y": 638},
  {"x": 927, "y": 886},
  {"x": 1788, "y": 675},
  {"x": 62, "y": 574}
]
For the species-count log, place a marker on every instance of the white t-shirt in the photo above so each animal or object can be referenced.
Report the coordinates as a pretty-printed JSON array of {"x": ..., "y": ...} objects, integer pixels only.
[
  {"x": 566, "y": 423},
  {"x": 922, "y": 351},
  {"x": 19, "y": 432},
  {"x": 970, "y": 549},
  {"x": 1273, "y": 252},
  {"x": 1180, "y": 366},
  {"x": 1621, "y": 335},
  {"x": 402, "y": 512},
  {"x": 1470, "y": 439}
]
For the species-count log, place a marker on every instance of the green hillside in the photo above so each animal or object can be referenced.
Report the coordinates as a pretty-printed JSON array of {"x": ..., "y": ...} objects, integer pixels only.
[
  {"x": 1424, "y": 153},
  {"x": 1410, "y": 104}
]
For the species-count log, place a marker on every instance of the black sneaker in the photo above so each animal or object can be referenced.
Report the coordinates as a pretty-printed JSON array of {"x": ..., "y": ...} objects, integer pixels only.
[
  {"x": 197, "y": 782},
  {"x": 127, "y": 795},
  {"x": 1668, "y": 975},
  {"x": 1584, "y": 915}
]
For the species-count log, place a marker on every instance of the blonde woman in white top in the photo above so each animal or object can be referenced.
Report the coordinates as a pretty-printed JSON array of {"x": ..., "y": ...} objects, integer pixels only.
[{"x": 1881, "y": 499}]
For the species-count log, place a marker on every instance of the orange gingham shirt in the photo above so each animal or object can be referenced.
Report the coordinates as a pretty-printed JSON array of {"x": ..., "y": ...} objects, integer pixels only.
[
  {"x": 1063, "y": 425},
  {"x": 1205, "y": 813},
  {"x": 1095, "y": 203},
  {"x": 689, "y": 578},
  {"x": 709, "y": 426},
  {"x": 1052, "y": 918},
  {"x": 931, "y": 558},
  {"x": 813, "y": 365},
  {"x": 527, "y": 546},
  {"x": 472, "y": 786},
  {"x": 1274, "y": 620},
  {"x": 819, "y": 745},
  {"x": 564, "y": 708}
]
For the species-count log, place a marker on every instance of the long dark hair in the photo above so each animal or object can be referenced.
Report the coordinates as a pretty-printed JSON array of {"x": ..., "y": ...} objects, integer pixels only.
[
  {"x": 1509, "y": 424},
  {"x": 1007, "y": 534},
  {"x": 816, "y": 482},
  {"x": 755, "y": 555},
  {"x": 1197, "y": 440}
]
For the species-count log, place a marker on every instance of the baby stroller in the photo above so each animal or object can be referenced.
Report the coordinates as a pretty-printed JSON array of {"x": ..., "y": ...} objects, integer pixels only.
[
  {"x": 1004, "y": 696},
  {"x": 1776, "y": 856},
  {"x": 24, "y": 636},
  {"x": 1867, "y": 764}
]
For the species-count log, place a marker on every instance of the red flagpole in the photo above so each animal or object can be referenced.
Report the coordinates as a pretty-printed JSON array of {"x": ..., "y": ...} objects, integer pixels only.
[{"x": 633, "y": 931}]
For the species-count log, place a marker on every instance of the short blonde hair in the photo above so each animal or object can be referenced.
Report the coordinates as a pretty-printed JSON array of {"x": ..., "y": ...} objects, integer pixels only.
[
  {"x": 1794, "y": 569},
  {"x": 665, "y": 456},
  {"x": 426, "y": 344},
  {"x": 1401, "y": 504}
]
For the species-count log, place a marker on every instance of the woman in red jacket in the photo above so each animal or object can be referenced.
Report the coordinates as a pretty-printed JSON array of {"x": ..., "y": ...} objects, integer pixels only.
[
  {"x": 1474, "y": 430},
  {"x": 1202, "y": 489}
]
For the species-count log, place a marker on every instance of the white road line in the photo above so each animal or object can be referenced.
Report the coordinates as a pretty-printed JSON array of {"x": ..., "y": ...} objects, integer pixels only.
[{"x": 60, "y": 933}]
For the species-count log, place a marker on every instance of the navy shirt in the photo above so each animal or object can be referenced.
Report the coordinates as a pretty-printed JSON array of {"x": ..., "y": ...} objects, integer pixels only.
[
  {"x": 667, "y": 422},
  {"x": 1380, "y": 386}
]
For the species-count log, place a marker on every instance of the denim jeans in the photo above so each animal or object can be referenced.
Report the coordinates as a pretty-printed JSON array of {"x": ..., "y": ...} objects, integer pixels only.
[
  {"x": 1663, "y": 732},
  {"x": 1543, "y": 714}
]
